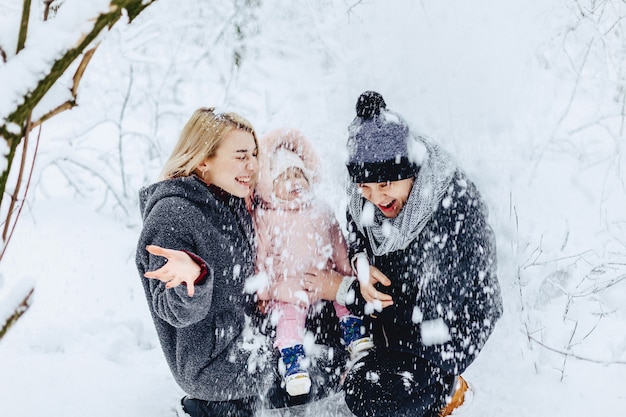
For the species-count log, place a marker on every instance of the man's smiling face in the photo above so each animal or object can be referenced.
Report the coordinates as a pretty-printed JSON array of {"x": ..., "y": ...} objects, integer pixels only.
[{"x": 389, "y": 197}]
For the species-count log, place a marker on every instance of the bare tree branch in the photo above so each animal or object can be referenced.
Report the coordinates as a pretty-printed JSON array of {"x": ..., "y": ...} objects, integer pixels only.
[
  {"x": 574, "y": 355},
  {"x": 120, "y": 140},
  {"x": 18, "y": 183},
  {"x": 21, "y": 38},
  {"x": 78, "y": 75},
  {"x": 19, "y": 211},
  {"x": 20, "y": 309},
  {"x": 46, "y": 10},
  {"x": 68, "y": 105},
  {"x": 569, "y": 346},
  {"x": 102, "y": 178},
  {"x": 103, "y": 21},
  {"x": 20, "y": 114}
]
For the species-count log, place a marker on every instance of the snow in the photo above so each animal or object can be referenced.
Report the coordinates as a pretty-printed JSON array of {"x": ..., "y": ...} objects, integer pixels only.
[
  {"x": 434, "y": 332},
  {"x": 367, "y": 218},
  {"x": 507, "y": 87}
]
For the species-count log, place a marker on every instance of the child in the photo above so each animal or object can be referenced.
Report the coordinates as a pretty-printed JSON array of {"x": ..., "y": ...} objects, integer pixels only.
[{"x": 297, "y": 232}]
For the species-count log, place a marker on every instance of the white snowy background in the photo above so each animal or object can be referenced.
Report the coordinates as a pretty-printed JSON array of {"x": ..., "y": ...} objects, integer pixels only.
[{"x": 528, "y": 95}]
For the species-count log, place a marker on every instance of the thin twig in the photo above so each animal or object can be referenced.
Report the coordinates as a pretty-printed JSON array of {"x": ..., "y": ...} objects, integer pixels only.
[
  {"x": 354, "y": 5},
  {"x": 569, "y": 346},
  {"x": 78, "y": 75},
  {"x": 568, "y": 107},
  {"x": 549, "y": 261},
  {"x": 578, "y": 71},
  {"x": 18, "y": 183},
  {"x": 70, "y": 179},
  {"x": 19, "y": 211},
  {"x": 596, "y": 289},
  {"x": 46, "y": 10},
  {"x": 120, "y": 140},
  {"x": 68, "y": 105},
  {"x": 102, "y": 178},
  {"x": 574, "y": 355}
]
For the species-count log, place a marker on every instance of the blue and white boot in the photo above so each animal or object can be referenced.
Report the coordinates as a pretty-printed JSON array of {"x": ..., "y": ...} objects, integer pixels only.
[
  {"x": 297, "y": 380},
  {"x": 354, "y": 336}
]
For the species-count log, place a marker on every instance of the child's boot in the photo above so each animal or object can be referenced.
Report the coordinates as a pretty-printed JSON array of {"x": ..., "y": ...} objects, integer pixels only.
[
  {"x": 297, "y": 380},
  {"x": 354, "y": 337}
]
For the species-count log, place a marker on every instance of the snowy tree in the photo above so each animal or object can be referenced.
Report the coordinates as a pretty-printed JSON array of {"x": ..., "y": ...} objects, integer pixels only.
[
  {"x": 37, "y": 86},
  {"x": 144, "y": 82},
  {"x": 587, "y": 54}
]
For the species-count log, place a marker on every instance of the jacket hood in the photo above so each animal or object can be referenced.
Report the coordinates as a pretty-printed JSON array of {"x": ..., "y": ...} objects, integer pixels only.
[
  {"x": 290, "y": 139},
  {"x": 191, "y": 188}
]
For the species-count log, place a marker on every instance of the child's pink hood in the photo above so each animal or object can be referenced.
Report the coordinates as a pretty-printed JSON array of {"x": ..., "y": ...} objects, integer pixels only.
[{"x": 293, "y": 140}]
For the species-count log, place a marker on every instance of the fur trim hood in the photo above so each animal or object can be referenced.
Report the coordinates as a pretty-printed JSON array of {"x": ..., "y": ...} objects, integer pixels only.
[{"x": 290, "y": 139}]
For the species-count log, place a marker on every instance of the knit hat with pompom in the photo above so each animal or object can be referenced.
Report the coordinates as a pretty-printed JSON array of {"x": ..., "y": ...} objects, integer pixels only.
[{"x": 378, "y": 149}]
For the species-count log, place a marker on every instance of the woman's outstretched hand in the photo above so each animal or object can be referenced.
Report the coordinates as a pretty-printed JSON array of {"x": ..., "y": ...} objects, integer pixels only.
[{"x": 178, "y": 269}]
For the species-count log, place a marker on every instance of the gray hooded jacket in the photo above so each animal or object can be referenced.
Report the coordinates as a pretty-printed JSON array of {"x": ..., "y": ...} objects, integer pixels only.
[{"x": 212, "y": 352}]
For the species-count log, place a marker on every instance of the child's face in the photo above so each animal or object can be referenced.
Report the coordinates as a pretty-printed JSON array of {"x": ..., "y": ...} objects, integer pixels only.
[{"x": 291, "y": 184}]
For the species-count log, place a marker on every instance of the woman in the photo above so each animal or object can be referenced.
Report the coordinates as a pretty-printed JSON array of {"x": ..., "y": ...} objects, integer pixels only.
[
  {"x": 431, "y": 292},
  {"x": 195, "y": 288}
]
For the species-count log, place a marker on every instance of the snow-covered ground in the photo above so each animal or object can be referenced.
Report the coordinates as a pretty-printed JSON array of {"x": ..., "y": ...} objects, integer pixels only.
[{"x": 516, "y": 91}]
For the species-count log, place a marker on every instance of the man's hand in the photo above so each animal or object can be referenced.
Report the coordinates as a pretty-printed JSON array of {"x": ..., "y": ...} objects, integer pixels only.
[{"x": 368, "y": 277}]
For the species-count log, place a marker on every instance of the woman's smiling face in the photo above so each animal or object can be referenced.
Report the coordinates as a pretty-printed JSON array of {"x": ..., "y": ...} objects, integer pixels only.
[
  {"x": 389, "y": 197},
  {"x": 234, "y": 166}
]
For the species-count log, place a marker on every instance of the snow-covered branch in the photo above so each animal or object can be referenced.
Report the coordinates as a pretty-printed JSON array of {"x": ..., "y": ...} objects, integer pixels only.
[
  {"x": 14, "y": 306},
  {"x": 40, "y": 66},
  {"x": 45, "y": 51}
]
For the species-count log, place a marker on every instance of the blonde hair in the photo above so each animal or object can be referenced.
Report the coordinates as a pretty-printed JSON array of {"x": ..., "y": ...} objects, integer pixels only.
[{"x": 200, "y": 138}]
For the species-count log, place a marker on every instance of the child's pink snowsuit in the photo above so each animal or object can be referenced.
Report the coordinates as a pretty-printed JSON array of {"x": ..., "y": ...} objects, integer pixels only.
[{"x": 293, "y": 238}]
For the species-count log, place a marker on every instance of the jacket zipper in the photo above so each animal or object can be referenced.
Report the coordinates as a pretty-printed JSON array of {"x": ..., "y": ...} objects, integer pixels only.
[{"x": 382, "y": 327}]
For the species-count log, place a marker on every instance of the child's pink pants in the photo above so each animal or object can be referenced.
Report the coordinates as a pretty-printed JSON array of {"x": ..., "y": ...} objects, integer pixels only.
[{"x": 290, "y": 322}]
